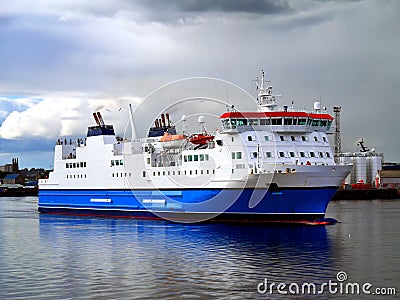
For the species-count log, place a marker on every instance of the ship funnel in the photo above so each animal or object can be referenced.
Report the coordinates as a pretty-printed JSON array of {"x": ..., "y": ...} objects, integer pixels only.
[
  {"x": 96, "y": 118},
  {"x": 163, "y": 120},
  {"x": 100, "y": 118}
]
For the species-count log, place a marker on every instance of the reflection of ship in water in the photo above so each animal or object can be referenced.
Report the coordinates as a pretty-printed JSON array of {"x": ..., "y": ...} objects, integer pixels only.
[{"x": 188, "y": 256}]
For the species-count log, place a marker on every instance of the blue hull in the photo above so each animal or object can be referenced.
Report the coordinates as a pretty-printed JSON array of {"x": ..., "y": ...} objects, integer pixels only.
[{"x": 294, "y": 204}]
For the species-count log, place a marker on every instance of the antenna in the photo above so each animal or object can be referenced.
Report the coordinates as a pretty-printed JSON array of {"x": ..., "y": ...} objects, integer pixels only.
[
  {"x": 362, "y": 145},
  {"x": 319, "y": 89},
  {"x": 132, "y": 122},
  {"x": 337, "y": 138},
  {"x": 266, "y": 98}
]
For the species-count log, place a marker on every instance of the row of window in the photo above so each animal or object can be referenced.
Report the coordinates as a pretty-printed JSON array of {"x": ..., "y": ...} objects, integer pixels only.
[
  {"x": 117, "y": 162},
  {"x": 178, "y": 173},
  {"x": 76, "y": 176},
  {"x": 284, "y": 138},
  {"x": 232, "y": 123},
  {"x": 282, "y": 154},
  {"x": 81, "y": 164},
  {"x": 238, "y": 155},
  {"x": 196, "y": 157},
  {"x": 121, "y": 175}
]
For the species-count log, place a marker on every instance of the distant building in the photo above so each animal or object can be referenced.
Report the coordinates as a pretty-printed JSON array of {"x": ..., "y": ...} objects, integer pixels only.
[
  {"x": 388, "y": 179},
  {"x": 11, "y": 168},
  {"x": 14, "y": 179}
]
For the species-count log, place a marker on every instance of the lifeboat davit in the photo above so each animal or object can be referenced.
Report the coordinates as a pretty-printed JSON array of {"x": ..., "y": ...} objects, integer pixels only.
[
  {"x": 172, "y": 141},
  {"x": 200, "y": 138}
]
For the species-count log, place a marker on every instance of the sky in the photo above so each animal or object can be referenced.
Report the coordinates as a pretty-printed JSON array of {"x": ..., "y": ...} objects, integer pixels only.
[{"x": 62, "y": 60}]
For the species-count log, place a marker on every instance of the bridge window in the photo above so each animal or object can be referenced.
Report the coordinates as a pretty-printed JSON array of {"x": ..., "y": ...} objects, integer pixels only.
[
  {"x": 312, "y": 154},
  {"x": 266, "y": 138},
  {"x": 268, "y": 154},
  {"x": 315, "y": 139},
  {"x": 265, "y": 122},
  {"x": 195, "y": 157},
  {"x": 253, "y": 122},
  {"x": 324, "y": 139},
  {"x": 239, "y": 155},
  {"x": 288, "y": 121},
  {"x": 281, "y": 154},
  {"x": 291, "y": 154},
  {"x": 282, "y": 138},
  {"x": 302, "y": 121},
  {"x": 327, "y": 154},
  {"x": 276, "y": 121},
  {"x": 293, "y": 138},
  {"x": 302, "y": 154},
  {"x": 315, "y": 123},
  {"x": 241, "y": 122}
]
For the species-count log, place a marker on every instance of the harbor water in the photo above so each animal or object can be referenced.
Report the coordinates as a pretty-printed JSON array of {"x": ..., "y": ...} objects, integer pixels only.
[{"x": 59, "y": 257}]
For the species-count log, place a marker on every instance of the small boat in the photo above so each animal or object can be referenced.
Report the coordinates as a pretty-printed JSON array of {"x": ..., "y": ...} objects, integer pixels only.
[
  {"x": 200, "y": 138},
  {"x": 172, "y": 141}
]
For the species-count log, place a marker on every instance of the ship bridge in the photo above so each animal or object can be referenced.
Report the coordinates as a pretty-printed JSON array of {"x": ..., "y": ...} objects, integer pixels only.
[{"x": 277, "y": 121}]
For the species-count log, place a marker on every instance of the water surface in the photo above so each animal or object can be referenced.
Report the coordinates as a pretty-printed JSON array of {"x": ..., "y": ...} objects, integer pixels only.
[{"x": 58, "y": 257}]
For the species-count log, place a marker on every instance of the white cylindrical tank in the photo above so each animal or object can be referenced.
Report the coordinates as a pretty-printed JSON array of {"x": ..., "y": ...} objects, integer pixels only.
[
  {"x": 374, "y": 164},
  {"x": 360, "y": 168},
  {"x": 317, "y": 105}
]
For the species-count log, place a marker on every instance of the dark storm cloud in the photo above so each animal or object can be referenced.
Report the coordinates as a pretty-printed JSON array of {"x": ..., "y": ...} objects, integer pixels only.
[
  {"x": 229, "y": 6},
  {"x": 190, "y": 11}
]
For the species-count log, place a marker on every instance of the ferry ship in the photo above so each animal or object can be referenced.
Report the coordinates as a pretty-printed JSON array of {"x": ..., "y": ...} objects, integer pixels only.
[{"x": 271, "y": 164}]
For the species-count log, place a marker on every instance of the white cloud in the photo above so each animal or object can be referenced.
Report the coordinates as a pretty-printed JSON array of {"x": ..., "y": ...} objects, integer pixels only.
[{"x": 61, "y": 116}]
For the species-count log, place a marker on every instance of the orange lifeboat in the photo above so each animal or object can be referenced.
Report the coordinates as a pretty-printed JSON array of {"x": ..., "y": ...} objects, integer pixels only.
[
  {"x": 200, "y": 138},
  {"x": 172, "y": 141}
]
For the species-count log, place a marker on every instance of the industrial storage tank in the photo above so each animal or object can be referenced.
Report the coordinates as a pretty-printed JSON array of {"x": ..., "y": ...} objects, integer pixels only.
[
  {"x": 360, "y": 168},
  {"x": 374, "y": 164}
]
